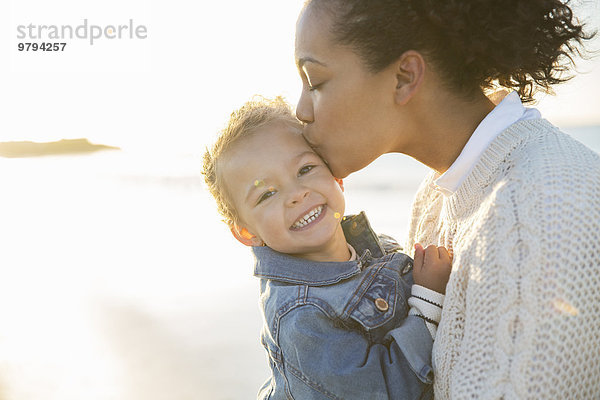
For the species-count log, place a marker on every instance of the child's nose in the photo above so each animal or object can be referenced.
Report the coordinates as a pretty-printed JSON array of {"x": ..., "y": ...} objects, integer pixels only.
[{"x": 298, "y": 196}]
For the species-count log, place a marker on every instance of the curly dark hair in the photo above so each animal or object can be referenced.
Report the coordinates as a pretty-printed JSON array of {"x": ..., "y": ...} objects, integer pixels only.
[{"x": 526, "y": 45}]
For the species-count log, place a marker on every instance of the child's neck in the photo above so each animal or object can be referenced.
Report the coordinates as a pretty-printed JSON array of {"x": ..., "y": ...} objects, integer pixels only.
[{"x": 335, "y": 250}]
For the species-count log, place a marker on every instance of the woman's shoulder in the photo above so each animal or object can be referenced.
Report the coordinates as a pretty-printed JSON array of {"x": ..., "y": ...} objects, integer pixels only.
[
  {"x": 534, "y": 155},
  {"x": 551, "y": 161},
  {"x": 549, "y": 177},
  {"x": 547, "y": 143}
]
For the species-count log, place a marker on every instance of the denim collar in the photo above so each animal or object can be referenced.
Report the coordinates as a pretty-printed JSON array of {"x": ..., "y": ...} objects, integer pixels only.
[{"x": 271, "y": 264}]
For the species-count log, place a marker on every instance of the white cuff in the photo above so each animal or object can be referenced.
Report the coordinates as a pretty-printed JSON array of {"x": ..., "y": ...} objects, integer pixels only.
[{"x": 428, "y": 304}]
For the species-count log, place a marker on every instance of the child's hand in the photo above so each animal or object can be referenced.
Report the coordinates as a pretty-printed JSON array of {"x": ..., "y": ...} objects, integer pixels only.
[{"x": 432, "y": 267}]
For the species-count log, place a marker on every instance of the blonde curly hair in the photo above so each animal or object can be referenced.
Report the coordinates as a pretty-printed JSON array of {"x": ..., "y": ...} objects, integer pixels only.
[{"x": 243, "y": 122}]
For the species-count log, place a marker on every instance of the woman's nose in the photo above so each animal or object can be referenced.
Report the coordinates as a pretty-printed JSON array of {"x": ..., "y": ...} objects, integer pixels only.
[{"x": 304, "y": 109}]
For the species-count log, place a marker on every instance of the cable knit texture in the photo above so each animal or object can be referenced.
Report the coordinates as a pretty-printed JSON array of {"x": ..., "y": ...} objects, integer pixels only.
[{"x": 521, "y": 317}]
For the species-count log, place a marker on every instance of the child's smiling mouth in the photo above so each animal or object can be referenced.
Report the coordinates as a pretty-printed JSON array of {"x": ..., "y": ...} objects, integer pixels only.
[{"x": 312, "y": 216}]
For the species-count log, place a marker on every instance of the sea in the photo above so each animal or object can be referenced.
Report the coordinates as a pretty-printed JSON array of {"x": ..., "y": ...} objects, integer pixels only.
[{"x": 118, "y": 280}]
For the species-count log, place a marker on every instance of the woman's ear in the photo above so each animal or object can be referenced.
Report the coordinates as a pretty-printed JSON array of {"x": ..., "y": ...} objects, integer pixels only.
[
  {"x": 340, "y": 182},
  {"x": 410, "y": 70},
  {"x": 244, "y": 236}
]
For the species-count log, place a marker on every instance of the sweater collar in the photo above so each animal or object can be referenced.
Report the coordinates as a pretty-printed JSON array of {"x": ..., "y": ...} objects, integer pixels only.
[
  {"x": 509, "y": 111},
  {"x": 490, "y": 164}
]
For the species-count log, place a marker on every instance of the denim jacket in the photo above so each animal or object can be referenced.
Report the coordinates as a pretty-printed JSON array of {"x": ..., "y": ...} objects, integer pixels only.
[{"x": 340, "y": 330}]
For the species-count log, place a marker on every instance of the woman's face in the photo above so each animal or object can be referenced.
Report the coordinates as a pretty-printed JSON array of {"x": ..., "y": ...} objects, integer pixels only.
[{"x": 346, "y": 109}]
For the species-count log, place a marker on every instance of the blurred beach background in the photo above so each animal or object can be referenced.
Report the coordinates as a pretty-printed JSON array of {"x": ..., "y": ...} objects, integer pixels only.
[{"x": 117, "y": 278}]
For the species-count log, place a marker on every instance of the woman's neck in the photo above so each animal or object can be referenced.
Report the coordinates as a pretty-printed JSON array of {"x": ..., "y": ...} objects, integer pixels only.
[{"x": 442, "y": 124}]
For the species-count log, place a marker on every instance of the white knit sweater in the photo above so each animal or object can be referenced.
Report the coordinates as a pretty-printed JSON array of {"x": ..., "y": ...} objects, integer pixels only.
[{"x": 521, "y": 317}]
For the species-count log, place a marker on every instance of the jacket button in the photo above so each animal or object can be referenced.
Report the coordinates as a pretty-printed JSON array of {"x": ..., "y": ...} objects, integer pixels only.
[{"x": 381, "y": 304}]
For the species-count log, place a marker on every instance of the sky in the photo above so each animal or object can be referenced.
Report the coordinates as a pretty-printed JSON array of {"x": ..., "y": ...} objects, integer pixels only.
[{"x": 174, "y": 89}]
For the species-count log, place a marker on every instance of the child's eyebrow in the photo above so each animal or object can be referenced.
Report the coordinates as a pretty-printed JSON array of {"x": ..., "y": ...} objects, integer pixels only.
[
  {"x": 252, "y": 188},
  {"x": 259, "y": 182},
  {"x": 304, "y": 153}
]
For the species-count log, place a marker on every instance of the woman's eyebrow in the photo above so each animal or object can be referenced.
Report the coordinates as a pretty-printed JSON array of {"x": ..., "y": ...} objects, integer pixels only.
[{"x": 303, "y": 60}]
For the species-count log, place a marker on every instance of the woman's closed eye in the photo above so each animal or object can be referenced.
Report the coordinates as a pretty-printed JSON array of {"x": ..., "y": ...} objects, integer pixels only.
[
  {"x": 315, "y": 81},
  {"x": 312, "y": 88}
]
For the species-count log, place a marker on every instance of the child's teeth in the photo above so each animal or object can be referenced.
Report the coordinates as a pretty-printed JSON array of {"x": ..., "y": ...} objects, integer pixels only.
[{"x": 308, "y": 218}]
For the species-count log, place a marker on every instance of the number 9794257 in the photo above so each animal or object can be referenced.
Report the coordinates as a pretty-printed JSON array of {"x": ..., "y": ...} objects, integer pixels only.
[{"x": 44, "y": 46}]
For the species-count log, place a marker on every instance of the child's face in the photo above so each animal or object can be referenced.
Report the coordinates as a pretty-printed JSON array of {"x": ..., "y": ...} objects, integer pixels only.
[{"x": 275, "y": 181}]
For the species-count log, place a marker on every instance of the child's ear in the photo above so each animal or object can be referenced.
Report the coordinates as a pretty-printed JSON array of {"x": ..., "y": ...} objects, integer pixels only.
[
  {"x": 245, "y": 237},
  {"x": 340, "y": 182}
]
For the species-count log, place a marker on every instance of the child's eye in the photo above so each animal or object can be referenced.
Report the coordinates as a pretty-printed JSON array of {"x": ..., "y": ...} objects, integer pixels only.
[
  {"x": 265, "y": 196},
  {"x": 305, "y": 169}
]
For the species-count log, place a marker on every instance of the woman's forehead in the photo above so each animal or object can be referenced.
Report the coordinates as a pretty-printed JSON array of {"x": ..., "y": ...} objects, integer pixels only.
[{"x": 313, "y": 37}]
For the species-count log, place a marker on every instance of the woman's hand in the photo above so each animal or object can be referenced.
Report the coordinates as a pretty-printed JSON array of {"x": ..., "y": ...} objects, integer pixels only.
[{"x": 432, "y": 267}]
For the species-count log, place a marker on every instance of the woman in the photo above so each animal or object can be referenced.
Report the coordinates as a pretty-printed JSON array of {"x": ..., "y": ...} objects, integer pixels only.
[{"x": 516, "y": 199}]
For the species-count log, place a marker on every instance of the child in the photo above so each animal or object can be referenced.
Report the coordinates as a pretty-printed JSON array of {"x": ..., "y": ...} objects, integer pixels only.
[{"x": 334, "y": 304}]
